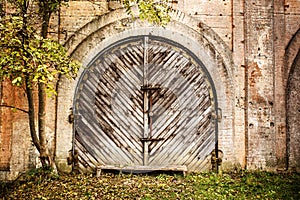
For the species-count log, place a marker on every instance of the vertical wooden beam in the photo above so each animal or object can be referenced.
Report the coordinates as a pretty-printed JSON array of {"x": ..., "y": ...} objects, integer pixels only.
[{"x": 146, "y": 103}]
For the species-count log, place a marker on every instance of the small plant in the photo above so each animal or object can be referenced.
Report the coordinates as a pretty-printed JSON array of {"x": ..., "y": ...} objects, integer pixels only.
[{"x": 41, "y": 174}]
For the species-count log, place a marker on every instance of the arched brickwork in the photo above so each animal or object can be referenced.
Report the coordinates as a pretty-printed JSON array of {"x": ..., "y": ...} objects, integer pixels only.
[
  {"x": 293, "y": 102},
  {"x": 291, "y": 52},
  {"x": 85, "y": 44}
]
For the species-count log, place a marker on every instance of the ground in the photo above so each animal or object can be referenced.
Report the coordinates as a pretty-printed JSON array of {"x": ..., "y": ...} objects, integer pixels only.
[{"x": 39, "y": 184}]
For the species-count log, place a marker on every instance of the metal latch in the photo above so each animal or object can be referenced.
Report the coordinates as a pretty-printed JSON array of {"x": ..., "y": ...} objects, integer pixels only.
[{"x": 151, "y": 139}]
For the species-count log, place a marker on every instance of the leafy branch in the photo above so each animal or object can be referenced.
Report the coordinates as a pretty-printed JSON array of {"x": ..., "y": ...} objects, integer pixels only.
[
  {"x": 29, "y": 58},
  {"x": 155, "y": 12}
]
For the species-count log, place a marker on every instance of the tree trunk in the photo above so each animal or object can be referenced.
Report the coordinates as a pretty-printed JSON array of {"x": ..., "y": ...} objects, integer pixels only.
[
  {"x": 29, "y": 93},
  {"x": 31, "y": 116},
  {"x": 45, "y": 155},
  {"x": 42, "y": 124}
]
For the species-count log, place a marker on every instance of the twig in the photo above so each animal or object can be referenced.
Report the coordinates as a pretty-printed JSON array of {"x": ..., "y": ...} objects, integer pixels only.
[{"x": 20, "y": 109}]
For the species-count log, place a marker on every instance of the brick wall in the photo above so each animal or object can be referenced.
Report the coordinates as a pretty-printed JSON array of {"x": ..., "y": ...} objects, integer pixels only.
[
  {"x": 293, "y": 107},
  {"x": 6, "y": 128},
  {"x": 257, "y": 33},
  {"x": 260, "y": 88},
  {"x": 17, "y": 151},
  {"x": 254, "y": 41}
]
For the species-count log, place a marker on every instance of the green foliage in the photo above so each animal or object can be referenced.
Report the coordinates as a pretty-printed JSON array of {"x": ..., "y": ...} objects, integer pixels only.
[
  {"x": 150, "y": 10},
  {"x": 24, "y": 54},
  {"x": 244, "y": 185}
]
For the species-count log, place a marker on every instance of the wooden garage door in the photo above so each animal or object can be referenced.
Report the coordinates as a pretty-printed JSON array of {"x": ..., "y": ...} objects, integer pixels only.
[{"x": 145, "y": 101}]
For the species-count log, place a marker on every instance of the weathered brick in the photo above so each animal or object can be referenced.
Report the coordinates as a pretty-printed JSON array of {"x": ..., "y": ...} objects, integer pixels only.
[{"x": 251, "y": 50}]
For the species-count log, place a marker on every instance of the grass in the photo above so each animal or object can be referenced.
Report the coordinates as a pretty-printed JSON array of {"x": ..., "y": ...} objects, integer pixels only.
[{"x": 41, "y": 184}]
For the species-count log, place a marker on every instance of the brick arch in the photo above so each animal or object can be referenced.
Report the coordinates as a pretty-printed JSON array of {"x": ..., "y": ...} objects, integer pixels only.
[
  {"x": 99, "y": 33},
  {"x": 91, "y": 39},
  {"x": 291, "y": 52},
  {"x": 118, "y": 21},
  {"x": 293, "y": 102}
]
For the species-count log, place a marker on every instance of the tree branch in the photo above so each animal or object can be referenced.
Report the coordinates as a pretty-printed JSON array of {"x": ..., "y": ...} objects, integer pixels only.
[{"x": 20, "y": 109}]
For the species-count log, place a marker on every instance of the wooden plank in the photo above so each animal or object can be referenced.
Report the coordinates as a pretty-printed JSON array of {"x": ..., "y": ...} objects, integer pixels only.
[
  {"x": 145, "y": 104},
  {"x": 141, "y": 168}
]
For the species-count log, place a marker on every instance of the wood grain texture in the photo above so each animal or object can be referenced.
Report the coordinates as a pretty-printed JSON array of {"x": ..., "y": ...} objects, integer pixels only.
[{"x": 144, "y": 102}]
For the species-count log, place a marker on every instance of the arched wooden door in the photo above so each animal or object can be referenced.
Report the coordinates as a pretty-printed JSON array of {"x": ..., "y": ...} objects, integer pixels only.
[{"x": 145, "y": 101}]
